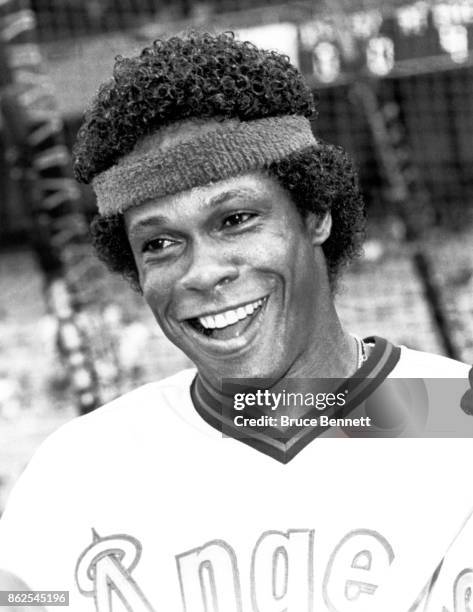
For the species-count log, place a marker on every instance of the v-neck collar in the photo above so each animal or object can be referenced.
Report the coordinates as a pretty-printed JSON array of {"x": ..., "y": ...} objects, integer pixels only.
[{"x": 209, "y": 405}]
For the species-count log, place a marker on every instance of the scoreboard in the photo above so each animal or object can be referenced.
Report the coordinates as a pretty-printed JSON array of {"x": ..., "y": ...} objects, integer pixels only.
[{"x": 416, "y": 37}]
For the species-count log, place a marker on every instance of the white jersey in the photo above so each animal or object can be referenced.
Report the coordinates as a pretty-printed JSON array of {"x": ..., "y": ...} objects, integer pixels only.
[{"x": 144, "y": 505}]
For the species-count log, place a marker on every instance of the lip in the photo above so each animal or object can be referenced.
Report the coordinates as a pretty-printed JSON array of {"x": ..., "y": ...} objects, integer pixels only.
[
  {"x": 232, "y": 345},
  {"x": 222, "y": 310}
]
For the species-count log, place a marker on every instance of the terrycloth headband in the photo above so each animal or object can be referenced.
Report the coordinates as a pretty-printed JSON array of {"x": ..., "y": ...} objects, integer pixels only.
[{"x": 228, "y": 150}]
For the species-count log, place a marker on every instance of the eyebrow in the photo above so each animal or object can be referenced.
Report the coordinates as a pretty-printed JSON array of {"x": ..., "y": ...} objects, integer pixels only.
[
  {"x": 219, "y": 199},
  {"x": 147, "y": 222}
]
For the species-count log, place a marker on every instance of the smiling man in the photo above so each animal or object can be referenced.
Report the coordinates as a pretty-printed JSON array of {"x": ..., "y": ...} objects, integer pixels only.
[{"x": 219, "y": 205}]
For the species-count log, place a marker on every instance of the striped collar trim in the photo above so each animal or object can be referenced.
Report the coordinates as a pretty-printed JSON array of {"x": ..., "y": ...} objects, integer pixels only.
[{"x": 215, "y": 408}]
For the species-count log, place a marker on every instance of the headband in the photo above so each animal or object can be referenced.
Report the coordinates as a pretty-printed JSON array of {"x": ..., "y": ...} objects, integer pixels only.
[{"x": 232, "y": 148}]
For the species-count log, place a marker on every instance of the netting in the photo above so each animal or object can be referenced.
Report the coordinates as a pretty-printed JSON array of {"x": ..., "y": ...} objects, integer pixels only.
[
  {"x": 436, "y": 115},
  {"x": 59, "y": 19}
]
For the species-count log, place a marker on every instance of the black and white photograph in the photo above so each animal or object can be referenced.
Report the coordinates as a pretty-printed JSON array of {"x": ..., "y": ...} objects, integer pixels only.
[{"x": 236, "y": 313}]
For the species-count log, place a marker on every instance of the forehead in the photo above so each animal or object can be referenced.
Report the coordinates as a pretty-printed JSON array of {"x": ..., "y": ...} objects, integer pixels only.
[{"x": 254, "y": 188}]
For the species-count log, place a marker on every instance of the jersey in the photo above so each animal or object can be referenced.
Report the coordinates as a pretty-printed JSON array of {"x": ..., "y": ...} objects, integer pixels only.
[{"x": 144, "y": 505}]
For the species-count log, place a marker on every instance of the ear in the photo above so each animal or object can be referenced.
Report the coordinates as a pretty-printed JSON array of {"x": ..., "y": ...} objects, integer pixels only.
[{"x": 319, "y": 227}]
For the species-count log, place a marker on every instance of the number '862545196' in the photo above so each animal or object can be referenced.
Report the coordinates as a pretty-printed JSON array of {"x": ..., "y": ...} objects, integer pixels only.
[{"x": 32, "y": 598}]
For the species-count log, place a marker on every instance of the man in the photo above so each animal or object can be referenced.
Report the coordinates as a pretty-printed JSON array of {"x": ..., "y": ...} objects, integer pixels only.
[{"x": 219, "y": 205}]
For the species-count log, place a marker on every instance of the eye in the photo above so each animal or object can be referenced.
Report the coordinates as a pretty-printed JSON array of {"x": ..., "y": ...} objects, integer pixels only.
[
  {"x": 156, "y": 245},
  {"x": 237, "y": 219}
]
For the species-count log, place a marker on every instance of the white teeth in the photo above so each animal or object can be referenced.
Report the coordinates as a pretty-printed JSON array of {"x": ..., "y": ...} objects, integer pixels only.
[
  {"x": 220, "y": 321},
  {"x": 208, "y": 322},
  {"x": 230, "y": 317}
]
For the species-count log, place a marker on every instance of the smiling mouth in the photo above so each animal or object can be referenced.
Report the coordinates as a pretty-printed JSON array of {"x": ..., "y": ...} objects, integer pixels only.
[{"x": 229, "y": 323}]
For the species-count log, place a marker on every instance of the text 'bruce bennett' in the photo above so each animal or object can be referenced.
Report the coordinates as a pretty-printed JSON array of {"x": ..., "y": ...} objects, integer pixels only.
[{"x": 286, "y": 421}]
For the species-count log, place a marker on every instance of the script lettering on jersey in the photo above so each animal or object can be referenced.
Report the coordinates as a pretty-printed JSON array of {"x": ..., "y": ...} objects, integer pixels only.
[
  {"x": 355, "y": 570},
  {"x": 462, "y": 592},
  {"x": 104, "y": 571},
  {"x": 281, "y": 573}
]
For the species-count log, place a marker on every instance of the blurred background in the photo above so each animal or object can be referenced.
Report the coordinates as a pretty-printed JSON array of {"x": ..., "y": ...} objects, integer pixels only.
[{"x": 395, "y": 88}]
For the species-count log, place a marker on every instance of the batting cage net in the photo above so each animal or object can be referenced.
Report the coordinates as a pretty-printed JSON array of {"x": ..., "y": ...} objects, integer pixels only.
[{"x": 395, "y": 88}]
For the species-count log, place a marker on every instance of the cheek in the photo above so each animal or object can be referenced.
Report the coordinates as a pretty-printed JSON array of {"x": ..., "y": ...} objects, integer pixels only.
[
  {"x": 158, "y": 292},
  {"x": 294, "y": 255},
  {"x": 281, "y": 245},
  {"x": 303, "y": 275}
]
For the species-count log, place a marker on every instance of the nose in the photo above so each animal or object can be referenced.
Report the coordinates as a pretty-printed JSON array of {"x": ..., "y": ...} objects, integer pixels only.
[{"x": 209, "y": 268}]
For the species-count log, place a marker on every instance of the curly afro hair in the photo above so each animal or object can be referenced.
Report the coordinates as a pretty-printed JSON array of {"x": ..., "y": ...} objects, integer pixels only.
[
  {"x": 197, "y": 76},
  {"x": 209, "y": 76}
]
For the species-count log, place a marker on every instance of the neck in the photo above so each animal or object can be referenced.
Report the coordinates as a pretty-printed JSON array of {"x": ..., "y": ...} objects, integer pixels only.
[
  {"x": 332, "y": 352},
  {"x": 331, "y": 357}
]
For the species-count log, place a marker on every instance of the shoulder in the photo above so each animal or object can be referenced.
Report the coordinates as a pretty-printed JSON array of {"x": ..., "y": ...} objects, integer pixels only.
[
  {"x": 136, "y": 402},
  {"x": 105, "y": 441},
  {"x": 418, "y": 364},
  {"x": 130, "y": 416}
]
